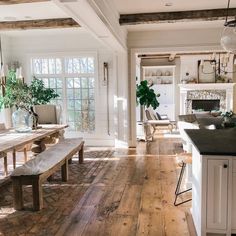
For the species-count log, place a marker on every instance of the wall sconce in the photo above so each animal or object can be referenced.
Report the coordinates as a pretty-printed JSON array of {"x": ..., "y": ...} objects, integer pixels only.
[
  {"x": 105, "y": 73},
  {"x": 105, "y": 82}
]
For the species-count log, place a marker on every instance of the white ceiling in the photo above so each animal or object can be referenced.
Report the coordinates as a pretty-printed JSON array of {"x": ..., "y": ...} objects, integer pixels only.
[
  {"x": 30, "y": 11},
  {"x": 143, "y": 6}
]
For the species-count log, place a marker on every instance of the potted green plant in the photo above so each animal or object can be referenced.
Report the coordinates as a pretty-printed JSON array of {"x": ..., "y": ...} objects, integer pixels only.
[
  {"x": 22, "y": 96},
  {"x": 146, "y": 96},
  {"x": 40, "y": 94}
]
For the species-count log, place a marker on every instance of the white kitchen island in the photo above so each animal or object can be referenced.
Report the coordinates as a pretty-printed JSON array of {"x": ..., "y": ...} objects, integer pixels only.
[{"x": 214, "y": 181}]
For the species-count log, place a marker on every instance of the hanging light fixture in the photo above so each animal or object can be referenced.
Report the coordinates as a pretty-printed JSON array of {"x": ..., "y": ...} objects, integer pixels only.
[{"x": 228, "y": 37}]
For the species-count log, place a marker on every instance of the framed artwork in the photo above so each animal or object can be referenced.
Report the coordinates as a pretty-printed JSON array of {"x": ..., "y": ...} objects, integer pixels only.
[{"x": 207, "y": 71}]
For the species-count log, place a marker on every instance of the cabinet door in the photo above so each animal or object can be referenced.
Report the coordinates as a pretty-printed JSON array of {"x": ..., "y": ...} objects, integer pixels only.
[
  {"x": 166, "y": 93},
  {"x": 217, "y": 195},
  {"x": 233, "y": 217}
]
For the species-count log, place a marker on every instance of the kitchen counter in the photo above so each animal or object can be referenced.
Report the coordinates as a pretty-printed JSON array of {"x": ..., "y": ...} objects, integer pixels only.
[{"x": 214, "y": 142}]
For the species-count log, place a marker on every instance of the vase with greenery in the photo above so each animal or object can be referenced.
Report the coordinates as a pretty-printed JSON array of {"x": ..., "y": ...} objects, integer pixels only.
[
  {"x": 22, "y": 96},
  {"x": 227, "y": 116},
  {"x": 146, "y": 96}
]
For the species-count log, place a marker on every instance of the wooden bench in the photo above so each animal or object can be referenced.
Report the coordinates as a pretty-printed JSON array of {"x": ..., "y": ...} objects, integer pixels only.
[{"x": 37, "y": 170}]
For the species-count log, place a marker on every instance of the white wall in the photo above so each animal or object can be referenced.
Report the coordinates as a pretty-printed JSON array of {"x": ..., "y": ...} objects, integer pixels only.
[
  {"x": 22, "y": 45},
  {"x": 189, "y": 64},
  {"x": 204, "y": 38}
]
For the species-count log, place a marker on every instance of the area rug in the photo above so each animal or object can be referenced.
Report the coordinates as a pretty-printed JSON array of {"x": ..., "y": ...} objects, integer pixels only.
[{"x": 59, "y": 198}]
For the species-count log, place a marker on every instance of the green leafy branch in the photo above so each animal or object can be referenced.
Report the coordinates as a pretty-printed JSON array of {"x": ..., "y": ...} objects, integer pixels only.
[{"x": 146, "y": 96}]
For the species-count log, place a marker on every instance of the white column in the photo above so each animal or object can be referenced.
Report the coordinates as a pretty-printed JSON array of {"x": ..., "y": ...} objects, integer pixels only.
[
  {"x": 229, "y": 99},
  {"x": 183, "y": 100}
]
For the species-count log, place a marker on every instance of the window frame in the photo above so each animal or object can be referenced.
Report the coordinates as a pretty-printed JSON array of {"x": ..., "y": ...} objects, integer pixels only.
[{"x": 65, "y": 75}]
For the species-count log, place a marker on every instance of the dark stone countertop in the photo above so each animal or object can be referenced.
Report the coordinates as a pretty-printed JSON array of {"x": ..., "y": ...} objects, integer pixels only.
[{"x": 214, "y": 142}]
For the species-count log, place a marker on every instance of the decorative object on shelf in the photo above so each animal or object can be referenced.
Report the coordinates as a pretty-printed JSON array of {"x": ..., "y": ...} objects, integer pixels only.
[
  {"x": 159, "y": 81},
  {"x": 159, "y": 73},
  {"x": 228, "y": 37},
  {"x": 218, "y": 65},
  {"x": 221, "y": 79},
  {"x": 150, "y": 82},
  {"x": 167, "y": 73},
  {"x": 146, "y": 96},
  {"x": 206, "y": 72}
]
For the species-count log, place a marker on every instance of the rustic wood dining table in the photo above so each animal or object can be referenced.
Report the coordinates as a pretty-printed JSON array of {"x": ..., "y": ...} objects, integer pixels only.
[{"x": 12, "y": 140}]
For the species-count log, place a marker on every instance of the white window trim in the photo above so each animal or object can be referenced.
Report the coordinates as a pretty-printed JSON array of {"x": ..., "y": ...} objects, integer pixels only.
[{"x": 62, "y": 56}]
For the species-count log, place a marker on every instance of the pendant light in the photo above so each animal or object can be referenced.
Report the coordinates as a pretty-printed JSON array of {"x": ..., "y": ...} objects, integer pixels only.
[{"x": 228, "y": 37}]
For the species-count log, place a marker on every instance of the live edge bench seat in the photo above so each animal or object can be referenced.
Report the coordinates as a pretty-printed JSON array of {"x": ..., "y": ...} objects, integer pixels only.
[{"x": 37, "y": 170}]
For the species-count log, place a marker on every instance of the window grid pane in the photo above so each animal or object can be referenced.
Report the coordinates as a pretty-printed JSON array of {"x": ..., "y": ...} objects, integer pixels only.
[
  {"x": 80, "y": 107},
  {"x": 56, "y": 84},
  {"x": 47, "y": 66},
  {"x": 79, "y": 89}
]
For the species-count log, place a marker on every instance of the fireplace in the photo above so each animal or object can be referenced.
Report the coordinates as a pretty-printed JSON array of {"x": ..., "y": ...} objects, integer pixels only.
[
  {"x": 210, "y": 91},
  {"x": 206, "y": 104}
]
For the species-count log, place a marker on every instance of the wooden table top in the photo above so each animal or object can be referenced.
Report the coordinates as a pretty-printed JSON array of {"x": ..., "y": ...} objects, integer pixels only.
[{"x": 10, "y": 139}]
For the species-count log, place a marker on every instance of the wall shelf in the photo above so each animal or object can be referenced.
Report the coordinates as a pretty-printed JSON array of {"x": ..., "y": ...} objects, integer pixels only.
[{"x": 163, "y": 85}]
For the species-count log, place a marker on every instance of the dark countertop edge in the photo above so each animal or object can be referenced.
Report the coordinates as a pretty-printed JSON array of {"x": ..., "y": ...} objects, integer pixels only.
[{"x": 211, "y": 153}]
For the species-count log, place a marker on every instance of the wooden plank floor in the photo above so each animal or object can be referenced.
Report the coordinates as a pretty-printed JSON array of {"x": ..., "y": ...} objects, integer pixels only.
[{"x": 133, "y": 194}]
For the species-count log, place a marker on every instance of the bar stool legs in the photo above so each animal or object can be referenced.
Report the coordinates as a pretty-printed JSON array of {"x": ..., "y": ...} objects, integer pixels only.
[{"x": 177, "y": 190}]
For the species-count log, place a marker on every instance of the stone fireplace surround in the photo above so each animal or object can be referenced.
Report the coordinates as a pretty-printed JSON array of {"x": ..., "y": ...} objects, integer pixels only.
[{"x": 221, "y": 91}]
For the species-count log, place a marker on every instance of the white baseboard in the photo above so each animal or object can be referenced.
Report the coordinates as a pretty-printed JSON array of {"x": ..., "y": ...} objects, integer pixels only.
[{"x": 121, "y": 144}]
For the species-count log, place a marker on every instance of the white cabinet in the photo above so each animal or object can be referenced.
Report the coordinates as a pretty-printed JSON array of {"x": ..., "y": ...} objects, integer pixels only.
[
  {"x": 217, "y": 194},
  {"x": 233, "y": 218},
  {"x": 214, "y": 194},
  {"x": 162, "y": 79}
]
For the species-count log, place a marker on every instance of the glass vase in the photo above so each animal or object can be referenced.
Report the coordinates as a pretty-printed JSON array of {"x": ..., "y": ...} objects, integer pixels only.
[{"x": 20, "y": 120}]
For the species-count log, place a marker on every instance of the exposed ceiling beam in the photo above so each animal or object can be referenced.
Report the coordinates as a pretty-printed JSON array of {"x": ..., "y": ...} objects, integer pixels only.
[
  {"x": 9, "y": 2},
  {"x": 178, "y": 16},
  {"x": 167, "y": 55},
  {"x": 39, "y": 24}
]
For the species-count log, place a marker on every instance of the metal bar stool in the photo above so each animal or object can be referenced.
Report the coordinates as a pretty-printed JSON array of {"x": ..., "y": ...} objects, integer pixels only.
[{"x": 186, "y": 159}]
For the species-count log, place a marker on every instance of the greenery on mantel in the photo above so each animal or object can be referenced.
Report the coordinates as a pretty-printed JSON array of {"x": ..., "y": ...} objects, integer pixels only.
[
  {"x": 19, "y": 94},
  {"x": 146, "y": 96},
  {"x": 227, "y": 114}
]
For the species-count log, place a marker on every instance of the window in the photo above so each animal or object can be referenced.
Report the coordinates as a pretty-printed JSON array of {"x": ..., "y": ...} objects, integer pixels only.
[{"x": 73, "y": 78}]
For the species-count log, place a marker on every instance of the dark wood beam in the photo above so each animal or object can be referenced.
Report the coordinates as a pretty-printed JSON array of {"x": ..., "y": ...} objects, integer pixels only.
[
  {"x": 9, "y": 2},
  {"x": 39, "y": 24},
  {"x": 178, "y": 16}
]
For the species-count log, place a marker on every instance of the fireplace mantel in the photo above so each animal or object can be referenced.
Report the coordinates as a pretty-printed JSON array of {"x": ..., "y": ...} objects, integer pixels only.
[
  {"x": 208, "y": 86},
  {"x": 227, "y": 87}
]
